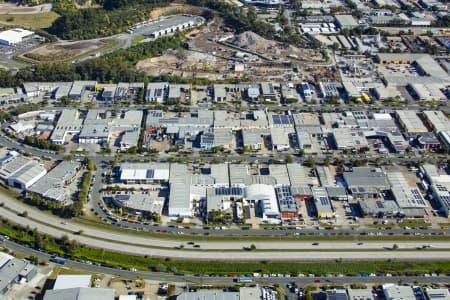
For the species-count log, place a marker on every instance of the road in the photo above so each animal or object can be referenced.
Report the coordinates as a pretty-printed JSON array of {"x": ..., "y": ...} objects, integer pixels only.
[
  {"x": 215, "y": 280},
  {"x": 214, "y": 250}
]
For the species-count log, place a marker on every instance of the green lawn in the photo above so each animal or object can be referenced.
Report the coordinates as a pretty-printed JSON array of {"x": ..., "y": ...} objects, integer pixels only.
[{"x": 43, "y": 20}]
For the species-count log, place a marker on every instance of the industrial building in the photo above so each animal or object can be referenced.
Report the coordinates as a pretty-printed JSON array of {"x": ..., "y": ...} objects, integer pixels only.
[
  {"x": 139, "y": 203},
  {"x": 365, "y": 182},
  {"x": 322, "y": 202},
  {"x": 398, "y": 292},
  {"x": 280, "y": 138},
  {"x": 360, "y": 294},
  {"x": 348, "y": 140},
  {"x": 439, "y": 186},
  {"x": 410, "y": 122},
  {"x": 167, "y": 25},
  {"x": 408, "y": 198},
  {"x": 53, "y": 186},
  {"x": 244, "y": 293},
  {"x": 346, "y": 21},
  {"x": 437, "y": 120},
  {"x": 79, "y": 87},
  {"x": 19, "y": 171},
  {"x": 13, "y": 271},
  {"x": 151, "y": 172},
  {"x": 68, "y": 123},
  {"x": 156, "y": 92},
  {"x": 80, "y": 294},
  {"x": 264, "y": 196},
  {"x": 14, "y": 36}
]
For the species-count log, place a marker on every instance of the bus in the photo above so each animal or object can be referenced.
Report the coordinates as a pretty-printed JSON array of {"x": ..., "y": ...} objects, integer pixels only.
[{"x": 58, "y": 260}]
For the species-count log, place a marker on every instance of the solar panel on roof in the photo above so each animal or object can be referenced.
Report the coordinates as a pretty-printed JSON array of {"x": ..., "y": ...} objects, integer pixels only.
[
  {"x": 379, "y": 204},
  {"x": 150, "y": 173}
]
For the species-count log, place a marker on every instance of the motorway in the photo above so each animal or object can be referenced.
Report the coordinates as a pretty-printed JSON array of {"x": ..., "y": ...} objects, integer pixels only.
[{"x": 216, "y": 250}]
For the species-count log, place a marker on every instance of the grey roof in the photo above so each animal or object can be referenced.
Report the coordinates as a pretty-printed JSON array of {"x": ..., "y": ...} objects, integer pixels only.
[
  {"x": 438, "y": 120},
  {"x": 222, "y": 137},
  {"x": 179, "y": 199},
  {"x": 405, "y": 195},
  {"x": 366, "y": 177},
  {"x": 260, "y": 179},
  {"x": 178, "y": 173},
  {"x": 337, "y": 294},
  {"x": 238, "y": 173},
  {"x": 80, "y": 294},
  {"x": 346, "y": 20},
  {"x": 9, "y": 273},
  {"x": 52, "y": 185},
  {"x": 220, "y": 173},
  {"x": 375, "y": 207},
  {"x": 251, "y": 137},
  {"x": 324, "y": 176},
  {"x": 140, "y": 202},
  {"x": 68, "y": 121},
  {"x": 12, "y": 164},
  {"x": 209, "y": 295},
  {"x": 297, "y": 175},
  {"x": 321, "y": 200},
  {"x": 29, "y": 173},
  {"x": 280, "y": 173},
  {"x": 336, "y": 192}
]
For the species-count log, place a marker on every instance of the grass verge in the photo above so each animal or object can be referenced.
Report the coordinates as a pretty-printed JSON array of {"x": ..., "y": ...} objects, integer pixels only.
[{"x": 42, "y": 20}]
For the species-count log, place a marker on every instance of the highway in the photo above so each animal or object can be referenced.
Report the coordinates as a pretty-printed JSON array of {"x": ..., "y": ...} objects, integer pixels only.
[{"x": 216, "y": 250}]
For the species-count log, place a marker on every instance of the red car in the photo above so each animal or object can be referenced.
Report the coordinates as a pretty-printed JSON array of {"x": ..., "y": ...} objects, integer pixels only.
[{"x": 317, "y": 280}]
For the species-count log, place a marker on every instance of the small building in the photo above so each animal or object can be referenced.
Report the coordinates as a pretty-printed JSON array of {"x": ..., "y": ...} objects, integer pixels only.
[
  {"x": 14, "y": 270},
  {"x": 336, "y": 294},
  {"x": 144, "y": 173},
  {"x": 72, "y": 281},
  {"x": 437, "y": 120},
  {"x": 252, "y": 139},
  {"x": 437, "y": 294},
  {"x": 280, "y": 138},
  {"x": 264, "y": 196},
  {"x": 349, "y": 140}
]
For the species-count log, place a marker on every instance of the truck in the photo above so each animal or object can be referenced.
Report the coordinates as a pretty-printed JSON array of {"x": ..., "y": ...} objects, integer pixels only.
[{"x": 58, "y": 260}]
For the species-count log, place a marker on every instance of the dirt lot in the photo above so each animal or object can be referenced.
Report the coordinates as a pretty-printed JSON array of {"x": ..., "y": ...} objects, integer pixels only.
[
  {"x": 210, "y": 59},
  {"x": 13, "y": 8},
  {"x": 62, "y": 51},
  {"x": 176, "y": 8}
]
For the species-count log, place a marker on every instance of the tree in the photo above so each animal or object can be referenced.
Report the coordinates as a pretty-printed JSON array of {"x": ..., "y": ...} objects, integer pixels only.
[
  {"x": 394, "y": 247},
  {"x": 252, "y": 247},
  {"x": 24, "y": 214}
]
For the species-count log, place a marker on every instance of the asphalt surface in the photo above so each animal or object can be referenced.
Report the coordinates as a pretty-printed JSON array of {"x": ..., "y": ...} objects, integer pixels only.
[
  {"x": 215, "y": 280},
  {"x": 212, "y": 250}
]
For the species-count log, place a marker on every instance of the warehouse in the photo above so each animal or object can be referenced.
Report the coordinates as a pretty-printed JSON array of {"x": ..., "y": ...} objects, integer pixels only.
[
  {"x": 180, "y": 204},
  {"x": 398, "y": 292},
  {"x": 169, "y": 25},
  {"x": 27, "y": 176},
  {"x": 348, "y": 140},
  {"x": 79, "y": 87},
  {"x": 297, "y": 175},
  {"x": 220, "y": 174},
  {"x": 410, "y": 122},
  {"x": 437, "y": 120},
  {"x": 426, "y": 92},
  {"x": 289, "y": 207},
  {"x": 280, "y": 138},
  {"x": 405, "y": 195},
  {"x": 346, "y": 21},
  {"x": 80, "y": 293},
  {"x": 365, "y": 182},
  {"x": 14, "y": 36},
  {"x": 322, "y": 203},
  {"x": 20, "y": 172},
  {"x": 156, "y": 92},
  {"x": 264, "y": 196},
  {"x": 13, "y": 271},
  {"x": 68, "y": 123},
  {"x": 252, "y": 139},
  {"x": 139, "y": 203},
  {"x": 280, "y": 173},
  {"x": 53, "y": 186},
  {"x": 144, "y": 172}
]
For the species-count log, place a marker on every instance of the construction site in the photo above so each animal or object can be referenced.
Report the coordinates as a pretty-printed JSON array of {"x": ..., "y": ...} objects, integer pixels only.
[{"x": 217, "y": 53}]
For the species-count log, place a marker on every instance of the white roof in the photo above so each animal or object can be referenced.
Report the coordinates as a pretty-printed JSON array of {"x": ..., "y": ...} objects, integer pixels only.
[
  {"x": 15, "y": 35},
  {"x": 72, "y": 281}
]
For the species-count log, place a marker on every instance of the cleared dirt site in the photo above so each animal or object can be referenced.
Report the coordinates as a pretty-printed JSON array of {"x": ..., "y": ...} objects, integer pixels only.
[{"x": 62, "y": 51}]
